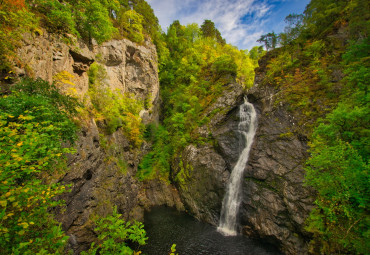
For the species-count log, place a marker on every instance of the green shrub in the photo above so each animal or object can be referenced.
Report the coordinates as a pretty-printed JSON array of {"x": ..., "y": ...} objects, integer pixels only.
[
  {"x": 157, "y": 162},
  {"x": 339, "y": 165},
  {"x": 33, "y": 126},
  {"x": 117, "y": 109},
  {"x": 225, "y": 65},
  {"x": 58, "y": 16},
  {"x": 114, "y": 234}
]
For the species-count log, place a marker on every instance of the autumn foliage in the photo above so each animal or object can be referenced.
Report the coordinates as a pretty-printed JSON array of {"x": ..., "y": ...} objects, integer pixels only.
[{"x": 13, "y": 4}]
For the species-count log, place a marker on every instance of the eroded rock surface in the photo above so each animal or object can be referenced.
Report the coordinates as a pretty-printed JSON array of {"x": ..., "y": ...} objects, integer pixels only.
[
  {"x": 102, "y": 171},
  {"x": 275, "y": 201},
  {"x": 130, "y": 67},
  {"x": 201, "y": 171}
]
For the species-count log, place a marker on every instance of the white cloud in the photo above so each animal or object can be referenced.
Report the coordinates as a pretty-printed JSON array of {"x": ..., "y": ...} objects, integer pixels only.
[{"x": 228, "y": 15}]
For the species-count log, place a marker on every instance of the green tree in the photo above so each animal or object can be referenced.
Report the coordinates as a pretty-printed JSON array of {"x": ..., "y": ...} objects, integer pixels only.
[
  {"x": 58, "y": 17},
  {"x": 130, "y": 24},
  {"x": 320, "y": 15},
  {"x": 225, "y": 64},
  {"x": 256, "y": 52},
  {"x": 149, "y": 22},
  {"x": 270, "y": 40},
  {"x": 339, "y": 165},
  {"x": 93, "y": 21},
  {"x": 209, "y": 30},
  {"x": 293, "y": 30}
]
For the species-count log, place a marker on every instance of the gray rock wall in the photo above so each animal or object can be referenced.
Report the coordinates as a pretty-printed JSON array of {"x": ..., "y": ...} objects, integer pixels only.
[
  {"x": 201, "y": 171},
  {"x": 130, "y": 67},
  {"x": 275, "y": 201},
  {"x": 101, "y": 174}
]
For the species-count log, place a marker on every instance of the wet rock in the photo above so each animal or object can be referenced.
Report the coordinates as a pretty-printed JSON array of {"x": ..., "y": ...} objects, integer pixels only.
[
  {"x": 275, "y": 201},
  {"x": 201, "y": 174},
  {"x": 201, "y": 171}
]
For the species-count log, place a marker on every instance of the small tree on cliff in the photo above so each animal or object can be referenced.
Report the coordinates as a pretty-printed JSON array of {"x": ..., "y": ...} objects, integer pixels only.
[{"x": 270, "y": 40}]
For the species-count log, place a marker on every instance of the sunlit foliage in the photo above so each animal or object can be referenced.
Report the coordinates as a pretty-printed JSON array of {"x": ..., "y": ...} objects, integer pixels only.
[
  {"x": 33, "y": 124},
  {"x": 114, "y": 234},
  {"x": 115, "y": 109},
  {"x": 193, "y": 74},
  {"x": 339, "y": 165}
]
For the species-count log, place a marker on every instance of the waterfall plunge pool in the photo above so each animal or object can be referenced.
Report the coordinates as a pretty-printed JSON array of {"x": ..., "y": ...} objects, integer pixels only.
[{"x": 166, "y": 226}]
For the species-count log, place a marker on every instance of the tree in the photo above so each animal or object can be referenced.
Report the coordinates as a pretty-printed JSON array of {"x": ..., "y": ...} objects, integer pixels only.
[
  {"x": 34, "y": 123},
  {"x": 293, "y": 30},
  {"x": 320, "y": 15},
  {"x": 270, "y": 40},
  {"x": 93, "y": 21},
  {"x": 209, "y": 30},
  {"x": 150, "y": 21},
  {"x": 225, "y": 64},
  {"x": 339, "y": 164},
  {"x": 130, "y": 24},
  {"x": 58, "y": 16},
  {"x": 256, "y": 52}
]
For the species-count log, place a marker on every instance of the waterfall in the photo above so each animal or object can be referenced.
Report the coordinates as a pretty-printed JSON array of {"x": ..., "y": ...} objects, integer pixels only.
[{"x": 230, "y": 205}]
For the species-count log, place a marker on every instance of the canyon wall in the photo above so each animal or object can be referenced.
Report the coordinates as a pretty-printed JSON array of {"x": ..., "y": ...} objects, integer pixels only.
[
  {"x": 101, "y": 173},
  {"x": 275, "y": 201}
]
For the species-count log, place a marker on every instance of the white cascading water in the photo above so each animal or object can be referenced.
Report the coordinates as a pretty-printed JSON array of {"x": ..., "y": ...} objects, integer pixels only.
[{"x": 230, "y": 205}]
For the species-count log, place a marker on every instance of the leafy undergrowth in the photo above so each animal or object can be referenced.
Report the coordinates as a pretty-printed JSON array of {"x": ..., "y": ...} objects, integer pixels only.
[
  {"x": 114, "y": 234},
  {"x": 34, "y": 122},
  {"x": 115, "y": 109}
]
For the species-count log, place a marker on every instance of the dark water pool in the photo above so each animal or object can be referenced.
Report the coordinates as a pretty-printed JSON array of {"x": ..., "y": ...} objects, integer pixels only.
[{"x": 165, "y": 226}]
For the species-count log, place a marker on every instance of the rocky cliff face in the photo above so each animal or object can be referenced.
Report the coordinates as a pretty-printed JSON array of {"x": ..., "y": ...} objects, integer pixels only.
[
  {"x": 275, "y": 202},
  {"x": 102, "y": 171},
  {"x": 201, "y": 171},
  {"x": 130, "y": 67}
]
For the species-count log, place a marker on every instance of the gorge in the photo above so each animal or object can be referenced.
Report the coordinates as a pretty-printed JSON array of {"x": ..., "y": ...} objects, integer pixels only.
[{"x": 106, "y": 121}]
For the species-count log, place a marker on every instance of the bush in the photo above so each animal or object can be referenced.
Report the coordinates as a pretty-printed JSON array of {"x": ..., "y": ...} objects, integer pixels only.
[
  {"x": 58, "y": 16},
  {"x": 157, "y": 162},
  {"x": 33, "y": 125},
  {"x": 225, "y": 65},
  {"x": 114, "y": 234},
  {"x": 339, "y": 165},
  {"x": 117, "y": 109}
]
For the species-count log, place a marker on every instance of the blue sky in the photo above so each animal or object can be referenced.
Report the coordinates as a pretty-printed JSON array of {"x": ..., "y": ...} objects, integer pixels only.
[{"x": 241, "y": 22}]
